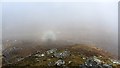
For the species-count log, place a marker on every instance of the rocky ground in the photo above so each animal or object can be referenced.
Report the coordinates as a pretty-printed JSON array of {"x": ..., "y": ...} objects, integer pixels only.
[{"x": 78, "y": 56}]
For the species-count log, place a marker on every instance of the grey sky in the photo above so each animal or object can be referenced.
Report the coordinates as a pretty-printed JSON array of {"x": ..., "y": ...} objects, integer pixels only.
[{"x": 85, "y": 22}]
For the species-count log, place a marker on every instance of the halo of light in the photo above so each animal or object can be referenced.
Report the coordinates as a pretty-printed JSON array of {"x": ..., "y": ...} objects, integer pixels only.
[{"x": 49, "y": 35}]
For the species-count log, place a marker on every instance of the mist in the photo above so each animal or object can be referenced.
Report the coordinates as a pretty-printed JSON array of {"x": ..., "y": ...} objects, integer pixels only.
[{"x": 88, "y": 23}]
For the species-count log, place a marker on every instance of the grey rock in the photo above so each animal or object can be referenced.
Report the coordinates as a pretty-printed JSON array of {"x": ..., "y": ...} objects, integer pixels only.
[
  {"x": 62, "y": 54},
  {"x": 60, "y": 62},
  {"x": 51, "y": 51}
]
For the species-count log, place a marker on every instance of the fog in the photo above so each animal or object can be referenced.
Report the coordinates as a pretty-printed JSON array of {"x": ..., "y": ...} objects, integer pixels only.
[{"x": 89, "y": 23}]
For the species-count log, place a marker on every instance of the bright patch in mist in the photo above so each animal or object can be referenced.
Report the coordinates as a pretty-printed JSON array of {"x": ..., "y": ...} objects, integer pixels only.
[{"x": 49, "y": 35}]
